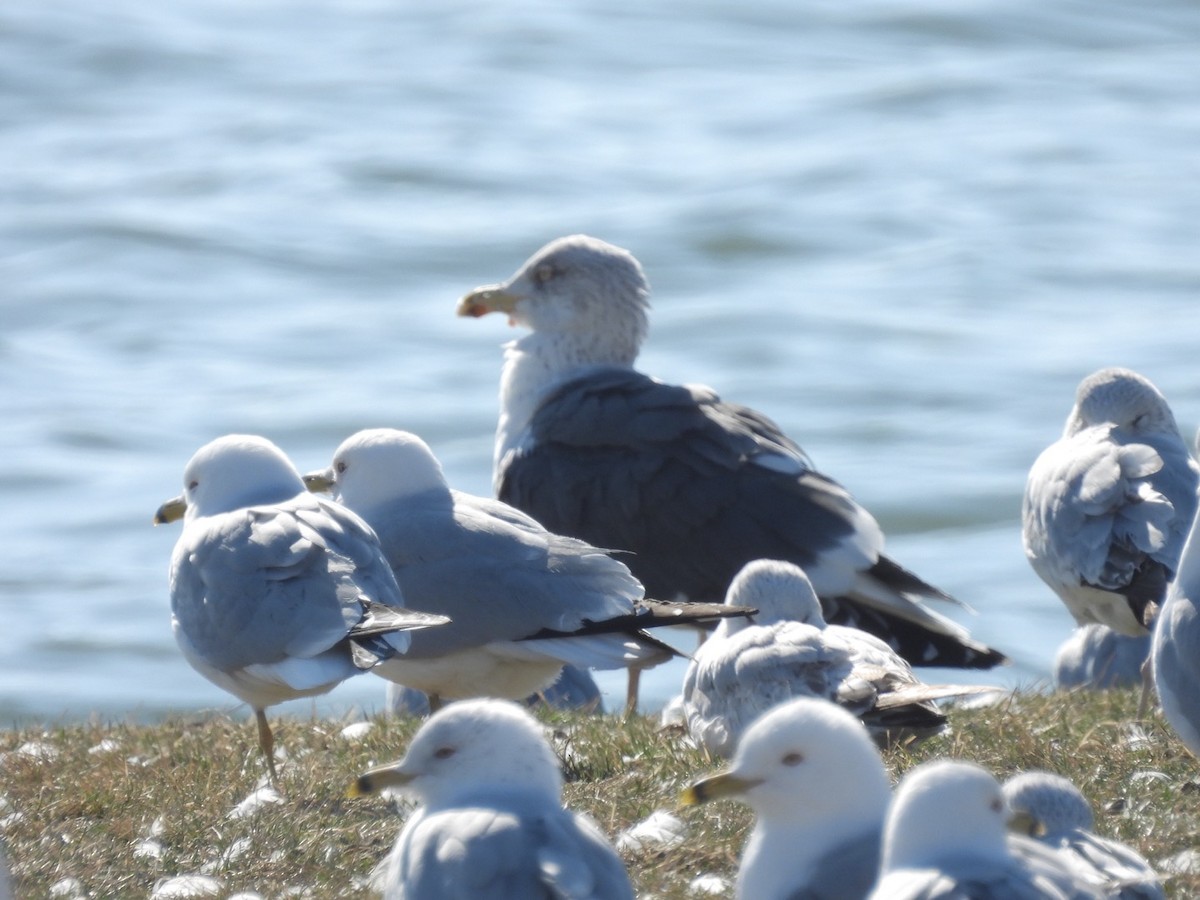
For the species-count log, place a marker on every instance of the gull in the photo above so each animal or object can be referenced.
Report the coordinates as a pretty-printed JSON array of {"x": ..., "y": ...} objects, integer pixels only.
[
  {"x": 1095, "y": 657},
  {"x": 693, "y": 486},
  {"x": 1175, "y": 648},
  {"x": 787, "y": 650},
  {"x": 819, "y": 792},
  {"x": 491, "y": 823},
  {"x": 1052, "y": 810},
  {"x": 945, "y": 838},
  {"x": 1108, "y": 505},
  {"x": 524, "y": 601},
  {"x": 276, "y": 594}
]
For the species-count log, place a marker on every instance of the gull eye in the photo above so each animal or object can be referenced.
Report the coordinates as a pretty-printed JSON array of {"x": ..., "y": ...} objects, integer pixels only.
[
  {"x": 340, "y": 466},
  {"x": 192, "y": 485},
  {"x": 443, "y": 753},
  {"x": 793, "y": 759},
  {"x": 997, "y": 805},
  {"x": 543, "y": 273}
]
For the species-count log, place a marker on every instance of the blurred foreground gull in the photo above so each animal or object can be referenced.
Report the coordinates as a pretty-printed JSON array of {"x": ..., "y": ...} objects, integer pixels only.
[
  {"x": 1108, "y": 505},
  {"x": 946, "y": 839},
  {"x": 491, "y": 822},
  {"x": 275, "y": 593},
  {"x": 693, "y": 486},
  {"x": 819, "y": 792},
  {"x": 787, "y": 650},
  {"x": 1051, "y": 809},
  {"x": 1097, "y": 658},
  {"x": 523, "y": 601},
  {"x": 1175, "y": 648}
]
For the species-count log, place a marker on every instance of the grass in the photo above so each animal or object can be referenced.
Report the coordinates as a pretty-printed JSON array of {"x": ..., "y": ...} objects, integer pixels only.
[{"x": 119, "y": 807}]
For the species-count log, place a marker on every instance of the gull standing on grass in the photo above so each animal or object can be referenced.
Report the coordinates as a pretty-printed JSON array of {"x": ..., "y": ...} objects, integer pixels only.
[
  {"x": 819, "y": 792},
  {"x": 524, "y": 601},
  {"x": 693, "y": 486},
  {"x": 946, "y": 838},
  {"x": 1175, "y": 648},
  {"x": 1050, "y": 809},
  {"x": 276, "y": 594},
  {"x": 491, "y": 824},
  {"x": 1108, "y": 505},
  {"x": 787, "y": 650}
]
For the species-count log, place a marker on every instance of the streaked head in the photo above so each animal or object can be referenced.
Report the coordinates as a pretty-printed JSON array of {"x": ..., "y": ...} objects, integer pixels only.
[
  {"x": 1122, "y": 398},
  {"x": 779, "y": 590},
  {"x": 1045, "y": 804}
]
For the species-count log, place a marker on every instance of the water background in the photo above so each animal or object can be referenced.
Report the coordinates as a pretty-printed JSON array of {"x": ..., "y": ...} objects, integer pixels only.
[{"x": 903, "y": 229}]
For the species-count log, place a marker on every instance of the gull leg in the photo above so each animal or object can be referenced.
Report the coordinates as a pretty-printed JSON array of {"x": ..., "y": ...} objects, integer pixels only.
[
  {"x": 631, "y": 693},
  {"x": 266, "y": 743},
  {"x": 1147, "y": 689}
]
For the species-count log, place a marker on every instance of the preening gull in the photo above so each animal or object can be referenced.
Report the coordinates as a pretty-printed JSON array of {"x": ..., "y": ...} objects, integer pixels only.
[
  {"x": 275, "y": 593},
  {"x": 1050, "y": 809},
  {"x": 524, "y": 601},
  {"x": 1108, "y": 505},
  {"x": 695, "y": 487},
  {"x": 491, "y": 822},
  {"x": 1095, "y": 657},
  {"x": 945, "y": 838},
  {"x": 787, "y": 650},
  {"x": 819, "y": 792},
  {"x": 1175, "y": 648}
]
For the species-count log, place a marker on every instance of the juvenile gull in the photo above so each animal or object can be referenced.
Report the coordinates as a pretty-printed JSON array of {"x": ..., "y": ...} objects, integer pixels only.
[
  {"x": 787, "y": 650},
  {"x": 693, "y": 486},
  {"x": 819, "y": 792},
  {"x": 945, "y": 839},
  {"x": 524, "y": 601},
  {"x": 275, "y": 593},
  {"x": 1095, "y": 657},
  {"x": 1108, "y": 505},
  {"x": 491, "y": 822},
  {"x": 1052, "y": 810}
]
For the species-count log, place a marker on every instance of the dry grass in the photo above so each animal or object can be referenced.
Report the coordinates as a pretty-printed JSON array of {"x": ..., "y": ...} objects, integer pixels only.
[{"x": 119, "y": 807}]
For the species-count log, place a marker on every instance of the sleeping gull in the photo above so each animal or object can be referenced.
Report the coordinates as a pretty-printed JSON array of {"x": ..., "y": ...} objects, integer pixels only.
[
  {"x": 693, "y": 486},
  {"x": 1108, "y": 505},
  {"x": 1175, "y": 648},
  {"x": 945, "y": 837},
  {"x": 275, "y": 593},
  {"x": 1051, "y": 809},
  {"x": 787, "y": 650},
  {"x": 1095, "y": 657},
  {"x": 819, "y": 792},
  {"x": 524, "y": 601},
  {"x": 491, "y": 822}
]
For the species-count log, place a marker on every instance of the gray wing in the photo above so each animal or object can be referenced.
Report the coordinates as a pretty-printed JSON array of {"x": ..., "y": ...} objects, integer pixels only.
[
  {"x": 696, "y": 487},
  {"x": 846, "y": 872},
  {"x": 1101, "y": 511},
  {"x": 261, "y": 584},
  {"x": 497, "y": 577},
  {"x": 985, "y": 884},
  {"x": 495, "y": 854},
  {"x": 1097, "y": 658},
  {"x": 1175, "y": 653},
  {"x": 1128, "y": 875}
]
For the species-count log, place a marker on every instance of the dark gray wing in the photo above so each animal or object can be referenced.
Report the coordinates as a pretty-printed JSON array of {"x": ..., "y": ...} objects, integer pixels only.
[
  {"x": 846, "y": 872},
  {"x": 695, "y": 488}
]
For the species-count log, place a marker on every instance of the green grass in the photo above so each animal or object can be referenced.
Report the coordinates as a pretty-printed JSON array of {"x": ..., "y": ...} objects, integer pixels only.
[{"x": 80, "y": 799}]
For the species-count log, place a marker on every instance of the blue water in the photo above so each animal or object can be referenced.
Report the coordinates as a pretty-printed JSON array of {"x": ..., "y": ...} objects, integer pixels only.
[{"x": 904, "y": 229}]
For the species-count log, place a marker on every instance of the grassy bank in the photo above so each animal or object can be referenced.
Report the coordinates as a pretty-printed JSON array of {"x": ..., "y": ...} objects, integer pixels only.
[{"x": 119, "y": 807}]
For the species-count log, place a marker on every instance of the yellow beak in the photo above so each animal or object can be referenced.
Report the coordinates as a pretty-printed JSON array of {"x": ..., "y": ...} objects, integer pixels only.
[
  {"x": 375, "y": 780},
  {"x": 321, "y": 482},
  {"x": 171, "y": 511},
  {"x": 490, "y": 298},
  {"x": 726, "y": 784}
]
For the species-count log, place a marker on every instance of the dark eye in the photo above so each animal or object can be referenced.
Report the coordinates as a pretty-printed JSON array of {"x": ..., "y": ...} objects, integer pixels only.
[
  {"x": 192, "y": 485},
  {"x": 997, "y": 805},
  {"x": 544, "y": 273},
  {"x": 340, "y": 466},
  {"x": 443, "y": 753},
  {"x": 793, "y": 759}
]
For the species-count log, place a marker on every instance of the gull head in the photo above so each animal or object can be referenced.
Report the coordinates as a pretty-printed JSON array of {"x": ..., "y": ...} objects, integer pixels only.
[
  {"x": 942, "y": 811},
  {"x": 378, "y": 465},
  {"x": 806, "y": 761},
  {"x": 470, "y": 748},
  {"x": 577, "y": 288},
  {"x": 1123, "y": 399},
  {"x": 779, "y": 590},
  {"x": 1046, "y": 805},
  {"x": 232, "y": 472}
]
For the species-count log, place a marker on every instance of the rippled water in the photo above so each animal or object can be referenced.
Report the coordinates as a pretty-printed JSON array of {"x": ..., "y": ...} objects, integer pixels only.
[{"x": 903, "y": 229}]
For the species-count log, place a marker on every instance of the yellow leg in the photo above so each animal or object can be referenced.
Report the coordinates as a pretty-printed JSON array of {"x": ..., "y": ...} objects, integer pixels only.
[
  {"x": 266, "y": 743},
  {"x": 631, "y": 693}
]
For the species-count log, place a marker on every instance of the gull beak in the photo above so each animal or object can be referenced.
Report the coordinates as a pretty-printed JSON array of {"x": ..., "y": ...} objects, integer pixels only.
[
  {"x": 1022, "y": 822},
  {"x": 321, "y": 482},
  {"x": 375, "y": 780},
  {"x": 490, "y": 298},
  {"x": 715, "y": 787},
  {"x": 171, "y": 511}
]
